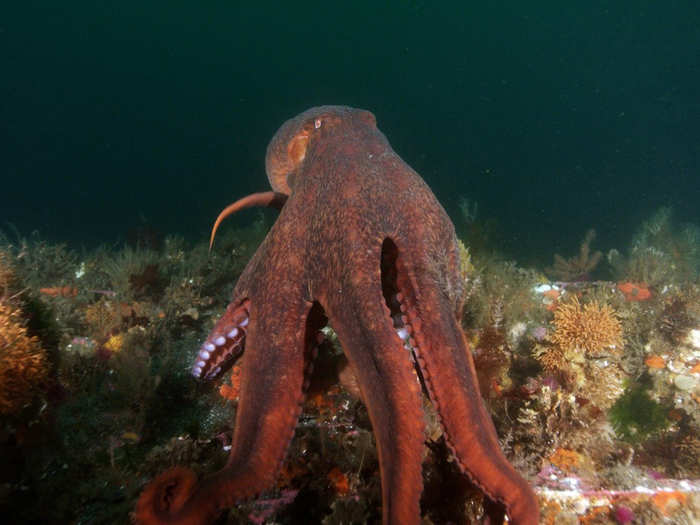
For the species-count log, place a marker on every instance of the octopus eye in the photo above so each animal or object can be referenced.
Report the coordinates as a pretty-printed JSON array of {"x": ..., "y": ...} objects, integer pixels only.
[{"x": 317, "y": 123}]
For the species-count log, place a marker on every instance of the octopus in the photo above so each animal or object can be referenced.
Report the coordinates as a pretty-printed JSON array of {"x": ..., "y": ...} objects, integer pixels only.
[{"x": 361, "y": 243}]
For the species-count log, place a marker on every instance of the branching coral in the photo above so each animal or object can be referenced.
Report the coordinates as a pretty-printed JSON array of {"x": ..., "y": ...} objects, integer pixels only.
[
  {"x": 580, "y": 266},
  {"x": 23, "y": 363}
]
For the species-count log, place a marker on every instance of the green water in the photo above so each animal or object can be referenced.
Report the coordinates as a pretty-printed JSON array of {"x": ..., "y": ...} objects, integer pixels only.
[{"x": 553, "y": 117}]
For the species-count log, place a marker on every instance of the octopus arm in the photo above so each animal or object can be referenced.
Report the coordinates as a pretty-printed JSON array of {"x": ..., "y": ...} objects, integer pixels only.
[
  {"x": 280, "y": 342},
  {"x": 391, "y": 391},
  {"x": 448, "y": 372}
]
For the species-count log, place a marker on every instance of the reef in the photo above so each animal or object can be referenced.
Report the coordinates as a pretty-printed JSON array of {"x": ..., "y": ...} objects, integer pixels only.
[{"x": 593, "y": 386}]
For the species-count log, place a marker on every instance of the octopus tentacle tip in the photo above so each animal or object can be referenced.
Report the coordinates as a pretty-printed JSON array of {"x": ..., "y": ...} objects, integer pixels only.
[
  {"x": 268, "y": 199},
  {"x": 165, "y": 496}
]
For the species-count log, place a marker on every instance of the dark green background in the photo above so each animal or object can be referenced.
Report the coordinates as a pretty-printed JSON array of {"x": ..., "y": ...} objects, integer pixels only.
[{"x": 553, "y": 116}]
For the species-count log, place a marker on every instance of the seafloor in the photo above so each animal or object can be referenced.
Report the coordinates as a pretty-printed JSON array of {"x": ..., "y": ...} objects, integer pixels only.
[{"x": 590, "y": 368}]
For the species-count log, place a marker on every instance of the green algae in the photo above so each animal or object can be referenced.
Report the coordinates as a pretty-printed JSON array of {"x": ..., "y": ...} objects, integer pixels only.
[{"x": 636, "y": 416}]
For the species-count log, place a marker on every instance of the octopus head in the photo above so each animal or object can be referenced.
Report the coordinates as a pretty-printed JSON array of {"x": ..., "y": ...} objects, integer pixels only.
[{"x": 288, "y": 148}]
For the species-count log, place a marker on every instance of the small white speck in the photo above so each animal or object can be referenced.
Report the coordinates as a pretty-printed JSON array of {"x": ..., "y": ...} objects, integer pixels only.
[{"x": 80, "y": 271}]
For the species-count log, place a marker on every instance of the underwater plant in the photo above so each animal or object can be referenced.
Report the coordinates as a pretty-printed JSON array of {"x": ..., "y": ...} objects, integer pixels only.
[
  {"x": 660, "y": 253},
  {"x": 7, "y": 275},
  {"x": 578, "y": 267},
  {"x": 636, "y": 416},
  {"x": 495, "y": 280},
  {"x": 40, "y": 263},
  {"x": 23, "y": 363},
  {"x": 492, "y": 355},
  {"x": 133, "y": 273},
  {"x": 675, "y": 320}
]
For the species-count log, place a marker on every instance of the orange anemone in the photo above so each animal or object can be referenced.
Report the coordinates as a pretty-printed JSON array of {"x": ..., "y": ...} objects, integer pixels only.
[
  {"x": 634, "y": 291},
  {"x": 655, "y": 361}
]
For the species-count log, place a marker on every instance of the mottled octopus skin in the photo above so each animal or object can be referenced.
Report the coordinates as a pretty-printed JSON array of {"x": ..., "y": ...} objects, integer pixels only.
[{"x": 348, "y": 193}]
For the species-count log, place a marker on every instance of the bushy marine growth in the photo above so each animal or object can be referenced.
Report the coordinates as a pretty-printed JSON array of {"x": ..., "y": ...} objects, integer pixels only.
[
  {"x": 23, "y": 365},
  {"x": 592, "y": 328},
  {"x": 23, "y": 362},
  {"x": 578, "y": 267},
  {"x": 585, "y": 345}
]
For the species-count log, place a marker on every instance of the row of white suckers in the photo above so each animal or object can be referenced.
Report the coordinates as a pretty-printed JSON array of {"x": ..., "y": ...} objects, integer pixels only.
[{"x": 210, "y": 346}]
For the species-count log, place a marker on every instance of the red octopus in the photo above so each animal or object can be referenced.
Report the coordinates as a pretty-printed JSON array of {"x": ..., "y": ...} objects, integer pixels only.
[{"x": 360, "y": 242}]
